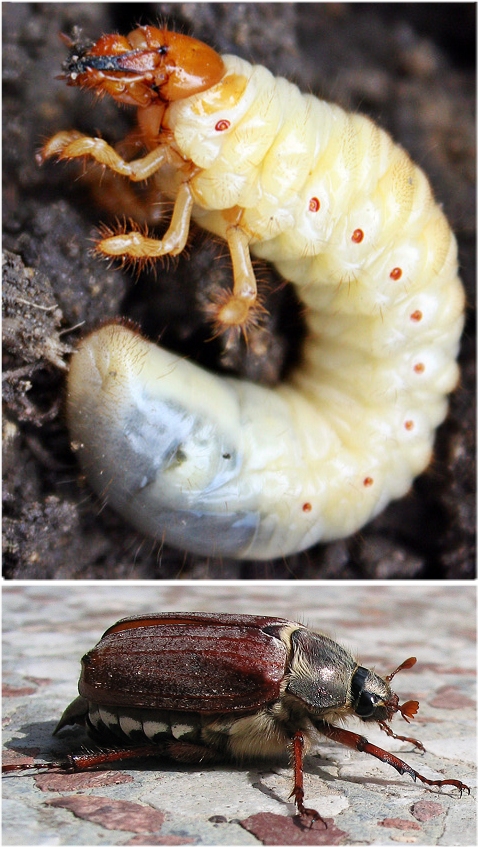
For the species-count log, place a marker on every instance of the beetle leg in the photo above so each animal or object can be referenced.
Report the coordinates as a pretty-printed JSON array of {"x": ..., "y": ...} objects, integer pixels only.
[
  {"x": 358, "y": 742},
  {"x": 235, "y": 311},
  {"x": 137, "y": 246},
  {"x": 34, "y": 766},
  {"x": 90, "y": 760},
  {"x": 74, "y": 145},
  {"x": 112, "y": 193},
  {"x": 298, "y": 790},
  {"x": 179, "y": 751},
  {"x": 385, "y": 727}
]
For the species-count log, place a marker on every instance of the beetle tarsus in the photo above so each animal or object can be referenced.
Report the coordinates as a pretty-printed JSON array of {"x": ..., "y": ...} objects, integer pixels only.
[
  {"x": 298, "y": 790},
  {"x": 305, "y": 815},
  {"x": 61, "y": 767}
]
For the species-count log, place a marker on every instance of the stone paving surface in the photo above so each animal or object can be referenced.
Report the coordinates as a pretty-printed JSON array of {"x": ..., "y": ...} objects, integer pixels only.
[{"x": 48, "y": 627}]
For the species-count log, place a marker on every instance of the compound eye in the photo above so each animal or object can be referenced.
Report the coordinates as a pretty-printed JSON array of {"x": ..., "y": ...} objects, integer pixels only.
[
  {"x": 364, "y": 707},
  {"x": 363, "y": 701}
]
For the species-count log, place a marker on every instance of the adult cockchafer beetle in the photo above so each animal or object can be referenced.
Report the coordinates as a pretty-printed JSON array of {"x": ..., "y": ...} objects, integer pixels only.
[{"x": 201, "y": 688}]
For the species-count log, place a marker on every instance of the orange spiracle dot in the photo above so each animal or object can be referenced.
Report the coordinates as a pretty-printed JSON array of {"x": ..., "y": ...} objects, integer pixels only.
[
  {"x": 357, "y": 236},
  {"x": 368, "y": 481},
  {"x": 396, "y": 273},
  {"x": 409, "y": 425},
  {"x": 307, "y": 507},
  {"x": 419, "y": 368},
  {"x": 314, "y": 204},
  {"x": 416, "y": 316},
  {"x": 222, "y": 125}
]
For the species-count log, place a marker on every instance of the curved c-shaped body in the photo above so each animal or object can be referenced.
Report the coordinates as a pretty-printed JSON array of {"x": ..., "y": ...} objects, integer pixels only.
[{"x": 222, "y": 467}]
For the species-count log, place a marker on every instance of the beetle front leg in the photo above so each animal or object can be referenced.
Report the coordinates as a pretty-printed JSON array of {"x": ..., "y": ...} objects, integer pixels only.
[
  {"x": 133, "y": 245},
  {"x": 75, "y": 145},
  {"x": 418, "y": 744},
  {"x": 358, "y": 742}
]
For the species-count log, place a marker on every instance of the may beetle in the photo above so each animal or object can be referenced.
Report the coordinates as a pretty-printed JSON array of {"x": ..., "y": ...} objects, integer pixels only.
[{"x": 202, "y": 688}]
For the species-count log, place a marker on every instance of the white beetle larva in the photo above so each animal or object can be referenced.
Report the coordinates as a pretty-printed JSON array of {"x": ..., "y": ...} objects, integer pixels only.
[{"x": 216, "y": 465}]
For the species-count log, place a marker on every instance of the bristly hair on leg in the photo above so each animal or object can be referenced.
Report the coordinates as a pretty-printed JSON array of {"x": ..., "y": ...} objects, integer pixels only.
[{"x": 137, "y": 263}]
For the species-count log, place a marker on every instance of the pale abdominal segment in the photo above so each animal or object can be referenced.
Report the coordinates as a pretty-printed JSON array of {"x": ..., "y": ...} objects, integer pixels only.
[{"x": 182, "y": 453}]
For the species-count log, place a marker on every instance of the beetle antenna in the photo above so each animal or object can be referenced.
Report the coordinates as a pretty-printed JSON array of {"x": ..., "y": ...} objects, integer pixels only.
[
  {"x": 409, "y": 709},
  {"x": 405, "y": 666}
]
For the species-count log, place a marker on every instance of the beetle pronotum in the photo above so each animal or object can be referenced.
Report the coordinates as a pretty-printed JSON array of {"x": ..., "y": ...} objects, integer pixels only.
[
  {"x": 220, "y": 466},
  {"x": 201, "y": 688}
]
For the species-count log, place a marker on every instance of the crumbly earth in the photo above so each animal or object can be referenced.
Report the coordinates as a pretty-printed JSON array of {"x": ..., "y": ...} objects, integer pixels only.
[{"x": 413, "y": 73}]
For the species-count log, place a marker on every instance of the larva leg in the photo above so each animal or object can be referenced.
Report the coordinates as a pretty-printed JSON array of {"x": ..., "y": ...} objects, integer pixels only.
[
  {"x": 134, "y": 245},
  {"x": 235, "y": 311},
  {"x": 74, "y": 145},
  {"x": 111, "y": 192}
]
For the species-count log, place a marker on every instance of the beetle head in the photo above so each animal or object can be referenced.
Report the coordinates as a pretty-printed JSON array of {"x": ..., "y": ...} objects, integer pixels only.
[
  {"x": 148, "y": 65},
  {"x": 373, "y": 699},
  {"x": 370, "y": 695}
]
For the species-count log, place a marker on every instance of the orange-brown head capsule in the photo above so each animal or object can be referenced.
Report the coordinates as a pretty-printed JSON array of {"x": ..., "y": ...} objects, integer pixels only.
[{"x": 149, "y": 64}]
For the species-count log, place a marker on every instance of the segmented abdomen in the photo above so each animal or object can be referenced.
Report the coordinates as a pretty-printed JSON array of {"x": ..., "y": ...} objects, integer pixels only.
[
  {"x": 345, "y": 215},
  {"x": 143, "y": 725}
]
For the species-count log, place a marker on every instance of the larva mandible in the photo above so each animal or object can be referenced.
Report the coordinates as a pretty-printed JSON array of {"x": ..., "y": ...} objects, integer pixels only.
[{"x": 217, "y": 465}]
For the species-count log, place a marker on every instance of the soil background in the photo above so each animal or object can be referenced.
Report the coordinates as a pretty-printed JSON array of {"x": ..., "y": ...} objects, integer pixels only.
[{"x": 409, "y": 66}]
